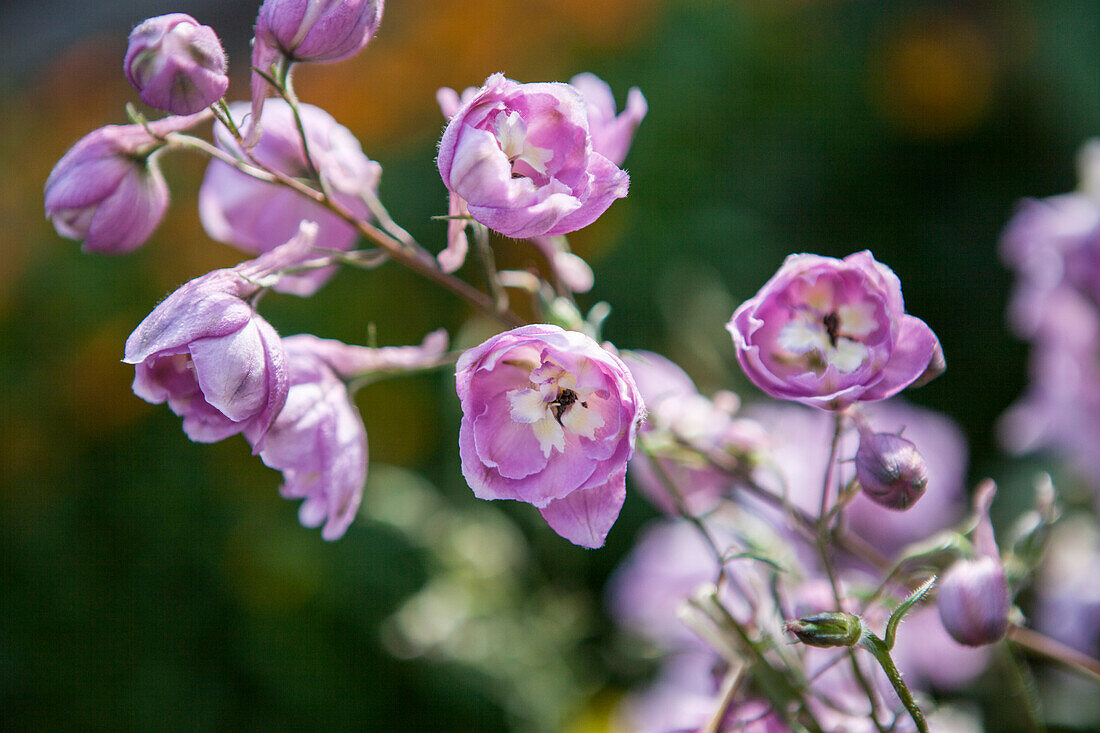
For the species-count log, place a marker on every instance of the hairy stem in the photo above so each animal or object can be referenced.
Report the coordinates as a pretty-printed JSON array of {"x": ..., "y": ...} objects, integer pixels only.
[{"x": 878, "y": 650}]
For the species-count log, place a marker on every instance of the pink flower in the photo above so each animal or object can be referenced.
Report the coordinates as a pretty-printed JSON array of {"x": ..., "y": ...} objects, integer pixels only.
[
  {"x": 611, "y": 134},
  {"x": 176, "y": 64},
  {"x": 828, "y": 333},
  {"x": 549, "y": 418},
  {"x": 108, "y": 189},
  {"x": 318, "y": 440},
  {"x": 211, "y": 357},
  {"x": 308, "y": 30},
  {"x": 255, "y": 216},
  {"x": 521, "y": 157}
]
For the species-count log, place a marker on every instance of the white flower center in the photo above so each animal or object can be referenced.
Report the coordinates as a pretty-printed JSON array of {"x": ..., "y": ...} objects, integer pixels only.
[
  {"x": 553, "y": 403},
  {"x": 821, "y": 332},
  {"x": 511, "y": 135}
]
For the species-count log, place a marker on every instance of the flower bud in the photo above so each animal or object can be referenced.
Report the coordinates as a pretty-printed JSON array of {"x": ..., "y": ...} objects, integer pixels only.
[
  {"x": 973, "y": 598},
  {"x": 973, "y": 601},
  {"x": 891, "y": 471},
  {"x": 827, "y": 629},
  {"x": 108, "y": 190},
  {"x": 318, "y": 30},
  {"x": 306, "y": 30},
  {"x": 176, "y": 64}
]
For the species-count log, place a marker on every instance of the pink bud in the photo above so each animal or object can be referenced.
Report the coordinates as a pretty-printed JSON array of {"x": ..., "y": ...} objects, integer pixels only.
[
  {"x": 318, "y": 30},
  {"x": 176, "y": 64},
  {"x": 107, "y": 190},
  {"x": 973, "y": 599},
  {"x": 891, "y": 471},
  {"x": 306, "y": 30}
]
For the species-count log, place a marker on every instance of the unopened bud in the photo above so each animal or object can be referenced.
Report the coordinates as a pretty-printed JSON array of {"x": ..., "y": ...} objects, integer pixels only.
[
  {"x": 827, "y": 629},
  {"x": 176, "y": 64},
  {"x": 891, "y": 470},
  {"x": 973, "y": 601},
  {"x": 318, "y": 30}
]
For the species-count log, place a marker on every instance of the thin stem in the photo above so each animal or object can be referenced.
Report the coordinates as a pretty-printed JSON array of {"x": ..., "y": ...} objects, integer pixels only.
[
  {"x": 830, "y": 468},
  {"x": 729, "y": 688},
  {"x": 376, "y": 375},
  {"x": 286, "y": 91},
  {"x": 489, "y": 267},
  {"x": 1043, "y": 646},
  {"x": 682, "y": 510},
  {"x": 422, "y": 265},
  {"x": 851, "y": 544},
  {"x": 823, "y": 534},
  {"x": 774, "y": 683},
  {"x": 878, "y": 650}
]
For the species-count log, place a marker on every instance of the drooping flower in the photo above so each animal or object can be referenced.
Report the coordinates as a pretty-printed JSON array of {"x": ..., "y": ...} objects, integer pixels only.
[
  {"x": 521, "y": 157},
  {"x": 307, "y": 30},
  {"x": 255, "y": 216},
  {"x": 828, "y": 333},
  {"x": 176, "y": 64},
  {"x": 318, "y": 440},
  {"x": 973, "y": 597},
  {"x": 211, "y": 357},
  {"x": 108, "y": 189},
  {"x": 550, "y": 418},
  {"x": 611, "y": 134}
]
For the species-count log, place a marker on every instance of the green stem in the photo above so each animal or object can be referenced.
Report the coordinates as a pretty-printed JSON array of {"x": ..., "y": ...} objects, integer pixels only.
[
  {"x": 286, "y": 91},
  {"x": 489, "y": 267},
  {"x": 1023, "y": 685},
  {"x": 878, "y": 650}
]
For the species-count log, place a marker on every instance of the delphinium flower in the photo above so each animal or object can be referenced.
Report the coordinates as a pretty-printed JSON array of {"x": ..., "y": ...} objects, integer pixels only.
[
  {"x": 318, "y": 440},
  {"x": 176, "y": 64},
  {"x": 550, "y": 418},
  {"x": 307, "y": 30},
  {"x": 255, "y": 215},
  {"x": 521, "y": 157},
  {"x": 207, "y": 353},
  {"x": 680, "y": 424},
  {"x": 108, "y": 189},
  {"x": 1053, "y": 244},
  {"x": 973, "y": 597},
  {"x": 829, "y": 333},
  {"x": 611, "y": 136}
]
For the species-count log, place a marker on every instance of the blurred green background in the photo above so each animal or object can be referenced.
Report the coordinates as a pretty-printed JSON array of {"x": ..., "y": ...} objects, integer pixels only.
[{"x": 149, "y": 583}]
